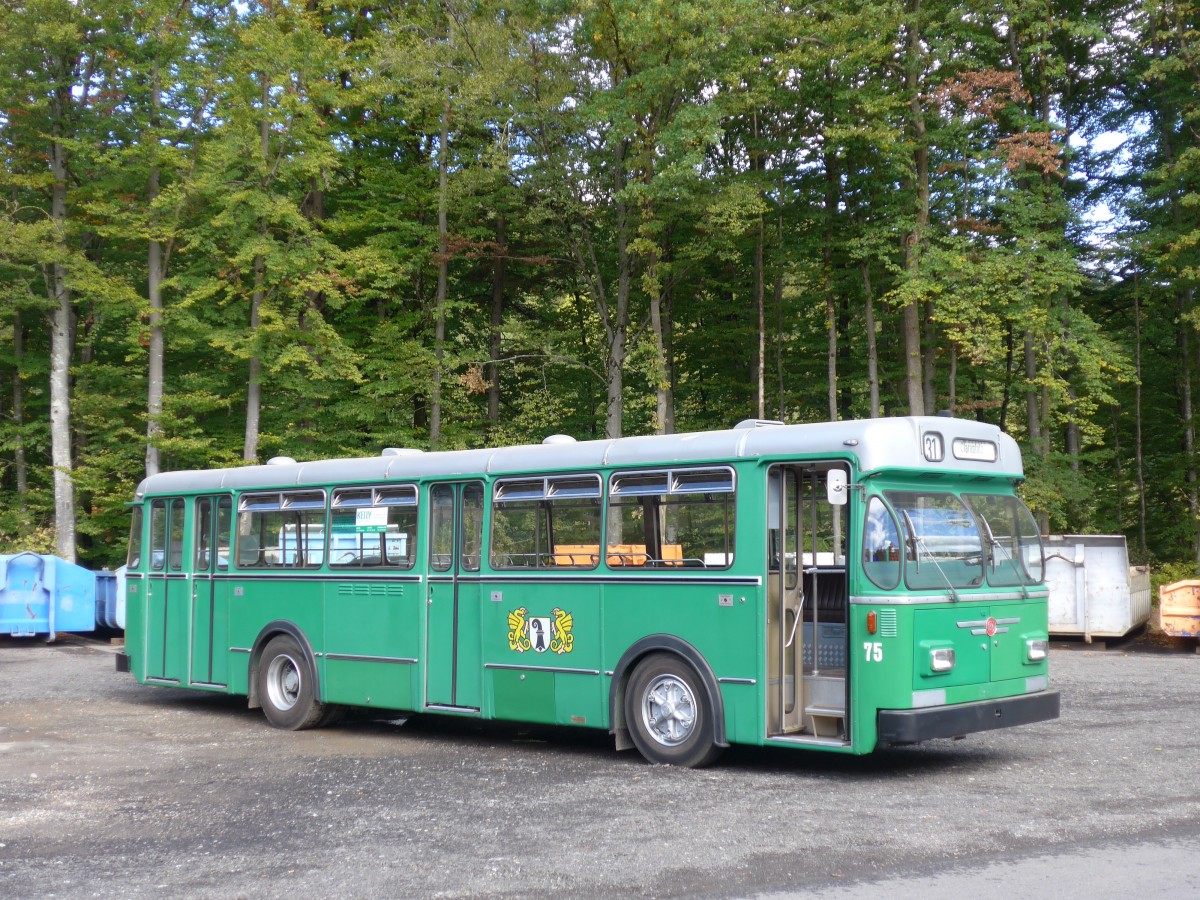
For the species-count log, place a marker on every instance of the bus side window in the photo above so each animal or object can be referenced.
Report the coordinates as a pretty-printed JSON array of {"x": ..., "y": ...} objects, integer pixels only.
[
  {"x": 175, "y": 557},
  {"x": 682, "y": 518},
  {"x": 158, "y": 535},
  {"x": 224, "y": 526},
  {"x": 285, "y": 529},
  {"x": 881, "y": 546},
  {"x": 203, "y": 534},
  {"x": 546, "y": 522},
  {"x": 373, "y": 527}
]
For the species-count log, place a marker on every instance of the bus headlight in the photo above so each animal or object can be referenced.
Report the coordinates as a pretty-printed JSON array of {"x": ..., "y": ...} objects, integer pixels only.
[
  {"x": 1035, "y": 650},
  {"x": 941, "y": 659}
]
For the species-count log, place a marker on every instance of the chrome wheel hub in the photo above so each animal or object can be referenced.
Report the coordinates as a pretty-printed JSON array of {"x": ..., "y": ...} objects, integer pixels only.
[
  {"x": 669, "y": 710},
  {"x": 283, "y": 682}
]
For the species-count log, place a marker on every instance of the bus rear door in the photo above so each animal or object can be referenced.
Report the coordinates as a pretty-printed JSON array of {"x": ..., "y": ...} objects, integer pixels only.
[
  {"x": 166, "y": 594},
  {"x": 453, "y": 658},
  {"x": 210, "y": 619}
]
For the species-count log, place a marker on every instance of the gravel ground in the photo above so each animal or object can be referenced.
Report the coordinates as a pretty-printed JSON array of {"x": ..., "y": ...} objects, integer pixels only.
[{"x": 111, "y": 789}]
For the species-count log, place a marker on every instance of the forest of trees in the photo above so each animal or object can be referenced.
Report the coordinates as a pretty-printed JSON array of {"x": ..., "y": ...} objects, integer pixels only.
[{"x": 235, "y": 230}]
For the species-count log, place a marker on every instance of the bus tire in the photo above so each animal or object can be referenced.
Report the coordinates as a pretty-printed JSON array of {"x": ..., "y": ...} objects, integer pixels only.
[
  {"x": 285, "y": 686},
  {"x": 668, "y": 713}
]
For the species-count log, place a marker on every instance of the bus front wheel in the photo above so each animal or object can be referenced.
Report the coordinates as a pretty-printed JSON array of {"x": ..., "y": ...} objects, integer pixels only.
[
  {"x": 285, "y": 686},
  {"x": 668, "y": 713}
]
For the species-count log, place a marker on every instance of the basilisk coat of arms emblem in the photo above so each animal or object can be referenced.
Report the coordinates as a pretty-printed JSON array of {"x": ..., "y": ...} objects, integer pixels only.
[{"x": 541, "y": 633}]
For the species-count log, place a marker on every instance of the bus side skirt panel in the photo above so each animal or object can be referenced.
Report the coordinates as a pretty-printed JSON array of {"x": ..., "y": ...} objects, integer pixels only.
[{"x": 671, "y": 644}]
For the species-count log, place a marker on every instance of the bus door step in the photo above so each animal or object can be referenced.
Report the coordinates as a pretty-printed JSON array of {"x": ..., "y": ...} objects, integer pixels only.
[{"x": 827, "y": 721}]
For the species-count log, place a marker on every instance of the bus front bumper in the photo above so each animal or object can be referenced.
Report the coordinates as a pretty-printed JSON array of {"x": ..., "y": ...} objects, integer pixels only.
[{"x": 907, "y": 726}]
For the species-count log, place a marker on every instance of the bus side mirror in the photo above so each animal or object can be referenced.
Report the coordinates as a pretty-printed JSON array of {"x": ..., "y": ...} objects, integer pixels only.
[{"x": 835, "y": 487}]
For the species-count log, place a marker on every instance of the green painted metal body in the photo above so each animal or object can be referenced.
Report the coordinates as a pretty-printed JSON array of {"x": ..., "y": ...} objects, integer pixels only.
[{"x": 421, "y": 640}]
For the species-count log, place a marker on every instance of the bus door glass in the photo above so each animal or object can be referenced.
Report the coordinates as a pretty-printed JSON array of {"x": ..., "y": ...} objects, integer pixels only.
[
  {"x": 453, "y": 656},
  {"x": 785, "y": 603},
  {"x": 210, "y": 626},
  {"x": 166, "y": 594}
]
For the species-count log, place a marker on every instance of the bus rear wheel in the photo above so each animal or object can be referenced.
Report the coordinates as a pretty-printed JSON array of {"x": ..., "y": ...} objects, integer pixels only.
[
  {"x": 285, "y": 686},
  {"x": 668, "y": 713}
]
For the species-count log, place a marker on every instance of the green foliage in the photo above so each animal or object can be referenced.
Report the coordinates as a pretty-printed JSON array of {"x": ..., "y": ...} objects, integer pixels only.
[{"x": 623, "y": 180}]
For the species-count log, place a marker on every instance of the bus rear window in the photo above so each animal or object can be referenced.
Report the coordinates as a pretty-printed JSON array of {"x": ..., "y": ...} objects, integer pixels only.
[{"x": 133, "y": 559}]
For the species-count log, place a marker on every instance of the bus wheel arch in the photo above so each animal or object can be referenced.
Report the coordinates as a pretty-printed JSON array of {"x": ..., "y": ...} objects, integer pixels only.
[
  {"x": 677, "y": 665},
  {"x": 303, "y": 659}
]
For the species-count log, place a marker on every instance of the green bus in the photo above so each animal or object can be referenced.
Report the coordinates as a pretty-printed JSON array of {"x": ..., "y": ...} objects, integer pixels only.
[{"x": 838, "y": 586}]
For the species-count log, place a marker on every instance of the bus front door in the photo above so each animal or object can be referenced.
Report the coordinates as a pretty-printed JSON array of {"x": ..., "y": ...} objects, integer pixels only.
[
  {"x": 210, "y": 624},
  {"x": 453, "y": 655},
  {"x": 807, "y": 626}
]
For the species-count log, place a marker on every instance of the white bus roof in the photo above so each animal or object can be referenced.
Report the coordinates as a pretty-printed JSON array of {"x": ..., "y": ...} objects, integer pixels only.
[{"x": 877, "y": 444}]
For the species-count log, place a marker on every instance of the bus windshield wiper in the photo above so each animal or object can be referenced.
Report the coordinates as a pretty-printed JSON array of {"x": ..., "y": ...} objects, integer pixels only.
[{"x": 919, "y": 546}]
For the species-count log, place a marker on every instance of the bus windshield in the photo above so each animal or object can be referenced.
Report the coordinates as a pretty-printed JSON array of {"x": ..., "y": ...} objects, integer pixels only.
[
  {"x": 1014, "y": 545},
  {"x": 943, "y": 545}
]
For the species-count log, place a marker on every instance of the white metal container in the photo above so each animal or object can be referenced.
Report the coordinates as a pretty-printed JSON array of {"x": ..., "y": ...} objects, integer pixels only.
[{"x": 1094, "y": 592}]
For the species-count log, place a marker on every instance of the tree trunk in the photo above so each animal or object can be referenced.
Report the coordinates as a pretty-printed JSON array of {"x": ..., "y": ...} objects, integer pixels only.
[
  {"x": 913, "y": 368},
  {"x": 760, "y": 360},
  {"x": 254, "y": 375},
  {"x": 618, "y": 331},
  {"x": 669, "y": 356},
  {"x": 1186, "y": 414},
  {"x": 1033, "y": 418},
  {"x": 952, "y": 380},
  {"x": 661, "y": 383},
  {"x": 20, "y": 466},
  {"x": 439, "y": 328},
  {"x": 154, "y": 363},
  {"x": 1139, "y": 454},
  {"x": 61, "y": 349},
  {"x": 495, "y": 333},
  {"x": 254, "y": 378},
  {"x": 872, "y": 342},
  {"x": 831, "y": 313},
  {"x": 928, "y": 360}
]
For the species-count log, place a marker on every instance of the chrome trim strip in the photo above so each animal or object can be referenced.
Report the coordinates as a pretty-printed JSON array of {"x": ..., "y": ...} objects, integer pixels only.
[
  {"x": 309, "y": 575},
  {"x": 207, "y": 684},
  {"x": 239, "y": 649},
  {"x": 736, "y": 681},
  {"x": 354, "y": 657},
  {"x": 913, "y": 599},
  {"x": 556, "y": 669},
  {"x": 923, "y": 699},
  {"x": 442, "y": 707},
  {"x": 154, "y": 679},
  {"x": 534, "y": 576},
  {"x": 1036, "y": 683}
]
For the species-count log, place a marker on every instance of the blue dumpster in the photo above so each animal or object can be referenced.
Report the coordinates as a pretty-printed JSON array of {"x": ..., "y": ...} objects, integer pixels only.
[
  {"x": 106, "y": 599},
  {"x": 42, "y": 594}
]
